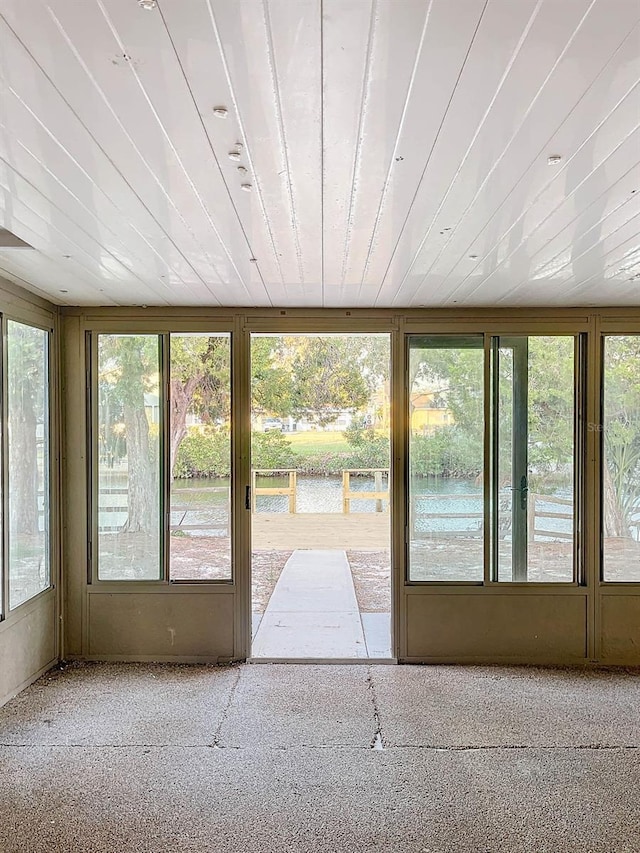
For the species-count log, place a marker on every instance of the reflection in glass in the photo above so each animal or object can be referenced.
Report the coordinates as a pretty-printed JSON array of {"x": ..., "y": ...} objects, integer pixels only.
[
  {"x": 621, "y": 458},
  {"x": 446, "y": 453},
  {"x": 128, "y": 449},
  {"x": 200, "y": 442},
  {"x": 28, "y": 451},
  {"x": 533, "y": 464}
]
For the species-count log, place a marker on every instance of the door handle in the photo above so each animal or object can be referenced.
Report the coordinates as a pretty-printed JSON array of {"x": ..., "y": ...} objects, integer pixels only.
[
  {"x": 247, "y": 497},
  {"x": 524, "y": 489}
]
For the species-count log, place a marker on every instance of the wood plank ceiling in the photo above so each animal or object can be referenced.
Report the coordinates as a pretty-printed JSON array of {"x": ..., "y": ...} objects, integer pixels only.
[{"x": 374, "y": 152}]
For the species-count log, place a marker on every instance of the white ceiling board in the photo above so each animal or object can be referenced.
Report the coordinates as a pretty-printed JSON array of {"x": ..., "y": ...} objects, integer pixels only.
[
  {"x": 34, "y": 110},
  {"x": 128, "y": 90},
  {"x": 386, "y": 141},
  {"x": 616, "y": 168},
  {"x": 232, "y": 56},
  {"x": 604, "y": 114},
  {"x": 415, "y": 60}
]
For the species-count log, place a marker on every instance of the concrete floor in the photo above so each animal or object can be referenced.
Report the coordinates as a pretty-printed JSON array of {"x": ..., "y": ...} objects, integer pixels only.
[{"x": 152, "y": 758}]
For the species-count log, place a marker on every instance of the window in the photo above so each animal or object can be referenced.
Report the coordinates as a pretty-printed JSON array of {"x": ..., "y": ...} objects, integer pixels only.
[
  {"x": 27, "y": 377},
  {"x": 129, "y": 459},
  {"x": 621, "y": 458},
  {"x": 446, "y": 458}
]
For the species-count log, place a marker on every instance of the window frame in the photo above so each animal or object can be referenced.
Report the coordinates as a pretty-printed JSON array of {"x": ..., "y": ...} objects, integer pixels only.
[
  {"x": 163, "y": 331},
  {"x": 490, "y": 331},
  {"x": 52, "y": 515}
]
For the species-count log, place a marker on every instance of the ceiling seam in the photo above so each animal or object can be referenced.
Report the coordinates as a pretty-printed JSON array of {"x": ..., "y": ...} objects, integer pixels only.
[
  {"x": 245, "y": 141},
  {"x": 431, "y": 150},
  {"x": 15, "y": 217},
  {"x": 210, "y": 143},
  {"x": 598, "y": 224},
  {"x": 580, "y": 284},
  {"x": 273, "y": 69},
  {"x": 505, "y": 74},
  {"x": 357, "y": 158},
  {"x": 387, "y": 180},
  {"x": 134, "y": 146}
]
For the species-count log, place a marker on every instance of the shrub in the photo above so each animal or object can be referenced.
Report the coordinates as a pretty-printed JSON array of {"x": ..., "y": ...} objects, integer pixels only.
[{"x": 203, "y": 454}]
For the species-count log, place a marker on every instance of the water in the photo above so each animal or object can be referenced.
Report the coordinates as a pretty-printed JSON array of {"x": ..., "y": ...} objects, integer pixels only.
[{"x": 203, "y": 504}]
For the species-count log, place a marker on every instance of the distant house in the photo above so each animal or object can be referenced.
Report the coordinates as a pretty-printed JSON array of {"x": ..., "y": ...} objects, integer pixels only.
[{"x": 429, "y": 412}]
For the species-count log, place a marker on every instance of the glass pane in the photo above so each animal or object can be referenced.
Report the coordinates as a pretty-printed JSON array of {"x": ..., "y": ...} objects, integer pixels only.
[
  {"x": 28, "y": 448},
  {"x": 128, "y": 448},
  {"x": 533, "y": 463},
  {"x": 446, "y": 458},
  {"x": 200, "y": 441},
  {"x": 621, "y": 458}
]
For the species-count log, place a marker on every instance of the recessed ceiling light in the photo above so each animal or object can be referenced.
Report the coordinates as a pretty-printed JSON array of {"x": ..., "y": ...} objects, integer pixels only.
[
  {"x": 147, "y": 4},
  {"x": 246, "y": 187},
  {"x": 234, "y": 155},
  {"x": 253, "y": 260},
  {"x": 242, "y": 170},
  {"x": 64, "y": 291},
  {"x": 473, "y": 257},
  {"x": 220, "y": 112},
  {"x": 554, "y": 159}
]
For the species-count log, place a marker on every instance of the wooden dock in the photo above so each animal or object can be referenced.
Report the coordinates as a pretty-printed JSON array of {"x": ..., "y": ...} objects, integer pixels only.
[{"x": 362, "y": 531}]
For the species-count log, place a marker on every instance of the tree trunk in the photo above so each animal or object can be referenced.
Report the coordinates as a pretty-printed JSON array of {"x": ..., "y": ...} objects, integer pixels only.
[
  {"x": 141, "y": 487},
  {"x": 181, "y": 398},
  {"x": 23, "y": 461},
  {"x": 613, "y": 519}
]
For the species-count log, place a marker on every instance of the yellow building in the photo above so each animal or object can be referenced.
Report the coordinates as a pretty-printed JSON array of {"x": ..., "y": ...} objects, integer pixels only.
[{"x": 427, "y": 414}]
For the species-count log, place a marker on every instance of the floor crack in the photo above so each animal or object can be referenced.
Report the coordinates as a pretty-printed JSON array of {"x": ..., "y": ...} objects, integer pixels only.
[
  {"x": 215, "y": 743},
  {"x": 377, "y": 741}
]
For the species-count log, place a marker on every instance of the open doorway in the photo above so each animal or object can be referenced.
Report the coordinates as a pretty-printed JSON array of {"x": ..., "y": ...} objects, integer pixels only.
[{"x": 320, "y": 490}]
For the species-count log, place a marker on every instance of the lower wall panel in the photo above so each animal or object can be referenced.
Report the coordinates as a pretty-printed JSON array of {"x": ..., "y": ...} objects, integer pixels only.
[
  {"x": 620, "y": 628},
  {"x": 163, "y": 626},
  {"x": 27, "y": 645},
  {"x": 528, "y": 628}
]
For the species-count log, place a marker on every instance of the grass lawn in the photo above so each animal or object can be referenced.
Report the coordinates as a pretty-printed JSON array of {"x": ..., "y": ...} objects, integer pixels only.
[{"x": 309, "y": 443}]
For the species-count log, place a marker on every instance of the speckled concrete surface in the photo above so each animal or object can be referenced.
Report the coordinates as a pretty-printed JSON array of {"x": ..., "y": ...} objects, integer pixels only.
[
  {"x": 517, "y": 706},
  {"x": 284, "y": 761}
]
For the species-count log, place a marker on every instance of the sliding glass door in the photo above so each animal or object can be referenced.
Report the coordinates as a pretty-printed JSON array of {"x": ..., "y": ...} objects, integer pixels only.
[{"x": 513, "y": 425}]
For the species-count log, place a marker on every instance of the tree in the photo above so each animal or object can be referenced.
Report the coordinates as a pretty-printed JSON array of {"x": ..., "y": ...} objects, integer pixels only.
[
  {"x": 129, "y": 368},
  {"x": 621, "y": 440},
  {"x": 27, "y": 409},
  {"x": 316, "y": 376},
  {"x": 200, "y": 383}
]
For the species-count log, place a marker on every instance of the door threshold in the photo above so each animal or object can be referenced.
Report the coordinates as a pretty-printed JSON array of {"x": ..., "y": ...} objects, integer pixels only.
[{"x": 325, "y": 661}]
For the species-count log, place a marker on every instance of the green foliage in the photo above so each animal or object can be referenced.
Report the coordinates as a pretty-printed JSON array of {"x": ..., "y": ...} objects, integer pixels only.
[
  {"x": 368, "y": 448},
  {"x": 203, "y": 454},
  {"x": 316, "y": 376},
  {"x": 449, "y": 451},
  {"x": 271, "y": 450}
]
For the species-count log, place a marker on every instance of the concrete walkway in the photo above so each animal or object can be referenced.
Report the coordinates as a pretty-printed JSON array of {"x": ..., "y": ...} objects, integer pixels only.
[{"x": 313, "y": 611}]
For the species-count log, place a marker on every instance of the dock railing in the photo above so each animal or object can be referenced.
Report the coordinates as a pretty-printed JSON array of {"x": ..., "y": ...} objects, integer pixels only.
[
  {"x": 379, "y": 494},
  {"x": 289, "y": 491}
]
